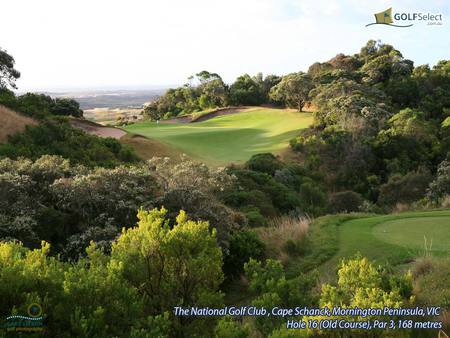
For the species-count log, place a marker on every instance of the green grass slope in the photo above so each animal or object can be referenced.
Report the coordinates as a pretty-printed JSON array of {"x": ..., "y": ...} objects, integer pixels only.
[
  {"x": 230, "y": 138},
  {"x": 393, "y": 239}
]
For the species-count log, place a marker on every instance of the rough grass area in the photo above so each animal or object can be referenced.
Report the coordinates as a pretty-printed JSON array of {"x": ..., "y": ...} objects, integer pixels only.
[
  {"x": 230, "y": 138},
  {"x": 285, "y": 236},
  {"x": 148, "y": 148},
  {"x": 12, "y": 123}
]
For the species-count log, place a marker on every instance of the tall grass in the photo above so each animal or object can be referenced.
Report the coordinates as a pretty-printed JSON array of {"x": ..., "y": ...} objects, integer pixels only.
[
  {"x": 12, "y": 123},
  {"x": 284, "y": 230}
]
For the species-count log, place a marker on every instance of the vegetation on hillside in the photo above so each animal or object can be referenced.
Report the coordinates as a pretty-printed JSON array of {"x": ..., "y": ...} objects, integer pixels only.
[
  {"x": 53, "y": 134},
  {"x": 12, "y": 123},
  {"x": 108, "y": 245}
]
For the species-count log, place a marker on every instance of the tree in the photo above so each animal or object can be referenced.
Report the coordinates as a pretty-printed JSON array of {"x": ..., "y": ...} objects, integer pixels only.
[
  {"x": 293, "y": 90},
  {"x": 267, "y": 84},
  {"x": 66, "y": 107},
  {"x": 214, "y": 92},
  {"x": 440, "y": 187},
  {"x": 246, "y": 91},
  {"x": 8, "y": 74}
]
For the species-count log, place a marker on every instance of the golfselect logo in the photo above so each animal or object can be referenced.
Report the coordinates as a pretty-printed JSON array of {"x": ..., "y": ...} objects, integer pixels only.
[{"x": 387, "y": 18}]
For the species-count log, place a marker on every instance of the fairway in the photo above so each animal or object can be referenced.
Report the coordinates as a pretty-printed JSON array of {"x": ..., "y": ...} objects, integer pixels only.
[{"x": 230, "y": 138}]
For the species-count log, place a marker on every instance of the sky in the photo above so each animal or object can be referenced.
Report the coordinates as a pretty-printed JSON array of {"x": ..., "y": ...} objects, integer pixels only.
[{"x": 132, "y": 44}]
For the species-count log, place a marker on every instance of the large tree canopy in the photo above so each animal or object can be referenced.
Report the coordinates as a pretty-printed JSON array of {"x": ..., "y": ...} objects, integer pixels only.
[
  {"x": 8, "y": 74},
  {"x": 293, "y": 90}
]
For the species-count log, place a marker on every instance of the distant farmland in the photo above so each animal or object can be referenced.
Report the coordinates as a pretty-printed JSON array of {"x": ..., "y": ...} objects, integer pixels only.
[
  {"x": 110, "y": 116},
  {"x": 106, "y": 106},
  {"x": 112, "y": 99}
]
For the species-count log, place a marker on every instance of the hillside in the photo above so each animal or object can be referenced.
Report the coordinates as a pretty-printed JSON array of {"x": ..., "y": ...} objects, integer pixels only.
[
  {"x": 12, "y": 123},
  {"x": 232, "y": 138}
]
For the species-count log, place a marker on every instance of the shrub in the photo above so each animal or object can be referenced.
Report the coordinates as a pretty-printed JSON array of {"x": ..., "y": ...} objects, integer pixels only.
[
  {"x": 313, "y": 199},
  {"x": 227, "y": 327},
  {"x": 404, "y": 189},
  {"x": 244, "y": 245},
  {"x": 264, "y": 163},
  {"x": 345, "y": 201},
  {"x": 254, "y": 217},
  {"x": 57, "y": 137},
  {"x": 440, "y": 187}
]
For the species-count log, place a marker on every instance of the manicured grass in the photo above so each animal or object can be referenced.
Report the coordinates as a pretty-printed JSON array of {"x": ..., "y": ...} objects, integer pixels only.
[
  {"x": 412, "y": 232},
  {"x": 230, "y": 138},
  {"x": 395, "y": 246}
]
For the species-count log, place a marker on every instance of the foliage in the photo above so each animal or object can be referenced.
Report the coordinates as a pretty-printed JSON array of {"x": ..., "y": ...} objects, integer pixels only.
[
  {"x": 194, "y": 188},
  {"x": 244, "y": 245},
  {"x": 57, "y": 137},
  {"x": 209, "y": 91},
  {"x": 264, "y": 163},
  {"x": 293, "y": 90},
  {"x": 345, "y": 201},
  {"x": 125, "y": 294},
  {"x": 8, "y": 74},
  {"x": 69, "y": 206},
  {"x": 171, "y": 267},
  {"x": 40, "y": 106},
  {"x": 362, "y": 284},
  {"x": 247, "y": 90},
  {"x": 440, "y": 186},
  {"x": 404, "y": 189},
  {"x": 432, "y": 285},
  {"x": 272, "y": 288},
  {"x": 377, "y": 117},
  {"x": 66, "y": 107},
  {"x": 228, "y": 328}
]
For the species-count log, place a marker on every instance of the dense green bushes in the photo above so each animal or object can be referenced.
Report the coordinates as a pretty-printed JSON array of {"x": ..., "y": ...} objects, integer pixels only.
[
  {"x": 345, "y": 201},
  {"x": 40, "y": 106},
  {"x": 57, "y": 137},
  {"x": 69, "y": 206},
  {"x": 106, "y": 296},
  {"x": 379, "y": 124}
]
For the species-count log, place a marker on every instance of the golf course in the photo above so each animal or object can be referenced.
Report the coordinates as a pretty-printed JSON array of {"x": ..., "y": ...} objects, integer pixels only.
[
  {"x": 395, "y": 239},
  {"x": 226, "y": 139}
]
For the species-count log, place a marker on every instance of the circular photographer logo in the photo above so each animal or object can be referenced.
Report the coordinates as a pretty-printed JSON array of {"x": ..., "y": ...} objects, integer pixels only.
[{"x": 34, "y": 310}]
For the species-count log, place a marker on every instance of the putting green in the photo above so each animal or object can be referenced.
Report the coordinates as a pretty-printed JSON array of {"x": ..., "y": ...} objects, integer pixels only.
[
  {"x": 229, "y": 138},
  {"x": 412, "y": 232},
  {"x": 393, "y": 239}
]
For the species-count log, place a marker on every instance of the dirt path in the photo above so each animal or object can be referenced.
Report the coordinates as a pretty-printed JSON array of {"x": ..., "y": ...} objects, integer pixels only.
[{"x": 98, "y": 130}]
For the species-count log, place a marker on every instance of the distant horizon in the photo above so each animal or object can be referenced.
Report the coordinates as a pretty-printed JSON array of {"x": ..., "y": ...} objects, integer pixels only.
[
  {"x": 96, "y": 89},
  {"x": 141, "y": 87}
]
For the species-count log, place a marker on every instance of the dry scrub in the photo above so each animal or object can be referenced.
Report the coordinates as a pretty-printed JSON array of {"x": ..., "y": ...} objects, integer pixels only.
[
  {"x": 282, "y": 231},
  {"x": 12, "y": 123}
]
